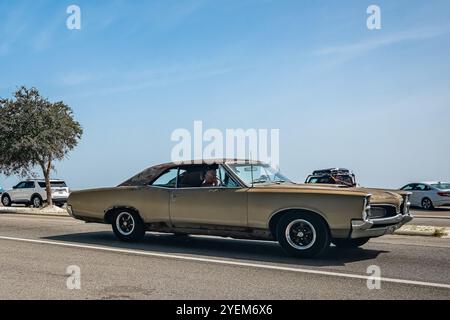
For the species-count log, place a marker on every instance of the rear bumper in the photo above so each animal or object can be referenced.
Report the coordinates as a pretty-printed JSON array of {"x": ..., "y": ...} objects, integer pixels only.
[
  {"x": 57, "y": 199},
  {"x": 378, "y": 227}
]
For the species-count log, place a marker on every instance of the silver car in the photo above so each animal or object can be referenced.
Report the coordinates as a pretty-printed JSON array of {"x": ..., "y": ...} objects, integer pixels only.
[{"x": 429, "y": 195}]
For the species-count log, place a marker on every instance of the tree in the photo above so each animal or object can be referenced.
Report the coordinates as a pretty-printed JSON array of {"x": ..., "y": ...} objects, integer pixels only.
[{"x": 34, "y": 133}]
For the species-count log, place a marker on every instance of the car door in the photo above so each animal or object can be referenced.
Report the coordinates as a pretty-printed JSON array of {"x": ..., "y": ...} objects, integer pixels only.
[
  {"x": 413, "y": 197},
  {"x": 419, "y": 192},
  {"x": 17, "y": 193},
  {"x": 223, "y": 205}
]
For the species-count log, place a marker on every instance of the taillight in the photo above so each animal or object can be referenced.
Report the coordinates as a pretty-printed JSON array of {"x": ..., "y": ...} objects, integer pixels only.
[{"x": 444, "y": 194}]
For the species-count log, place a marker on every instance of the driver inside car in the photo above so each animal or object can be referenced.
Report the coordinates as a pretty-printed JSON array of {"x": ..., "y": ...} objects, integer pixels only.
[{"x": 210, "y": 178}]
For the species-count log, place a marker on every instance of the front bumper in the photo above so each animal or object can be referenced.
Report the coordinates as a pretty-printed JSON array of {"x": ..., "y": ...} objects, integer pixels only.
[{"x": 377, "y": 227}]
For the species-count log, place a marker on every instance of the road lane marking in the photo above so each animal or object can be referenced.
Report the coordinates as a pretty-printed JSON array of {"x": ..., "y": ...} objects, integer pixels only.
[{"x": 227, "y": 262}]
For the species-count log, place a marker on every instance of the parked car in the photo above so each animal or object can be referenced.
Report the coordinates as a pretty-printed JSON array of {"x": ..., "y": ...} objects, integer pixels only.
[
  {"x": 429, "y": 195},
  {"x": 33, "y": 192},
  {"x": 339, "y": 176},
  {"x": 241, "y": 199}
]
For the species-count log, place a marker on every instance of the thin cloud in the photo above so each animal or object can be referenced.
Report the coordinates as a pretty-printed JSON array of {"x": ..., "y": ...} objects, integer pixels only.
[
  {"x": 369, "y": 45},
  {"x": 137, "y": 81}
]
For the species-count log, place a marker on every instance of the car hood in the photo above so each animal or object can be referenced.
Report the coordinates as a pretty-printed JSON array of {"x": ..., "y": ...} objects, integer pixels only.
[{"x": 378, "y": 196}]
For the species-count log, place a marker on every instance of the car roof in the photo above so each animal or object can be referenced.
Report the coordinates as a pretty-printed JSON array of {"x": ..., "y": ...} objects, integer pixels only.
[
  {"x": 426, "y": 182},
  {"x": 332, "y": 170},
  {"x": 147, "y": 175}
]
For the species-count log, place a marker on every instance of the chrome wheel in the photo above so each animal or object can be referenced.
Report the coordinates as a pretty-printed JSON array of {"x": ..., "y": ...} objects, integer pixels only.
[
  {"x": 427, "y": 204},
  {"x": 125, "y": 223},
  {"x": 300, "y": 234},
  {"x": 36, "y": 202}
]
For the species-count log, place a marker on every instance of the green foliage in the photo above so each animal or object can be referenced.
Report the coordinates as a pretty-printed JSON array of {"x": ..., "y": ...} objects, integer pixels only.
[{"x": 34, "y": 132}]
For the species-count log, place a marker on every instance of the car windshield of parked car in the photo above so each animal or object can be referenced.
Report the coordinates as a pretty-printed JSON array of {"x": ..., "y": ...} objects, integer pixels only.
[
  {"x": 258, "y": 173},
  {"x": 441, "y": 185},
  {"x": 325, "y": 179}
]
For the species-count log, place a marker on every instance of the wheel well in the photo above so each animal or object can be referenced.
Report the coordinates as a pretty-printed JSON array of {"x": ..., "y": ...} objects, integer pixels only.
[
  {"x": 277, "y": 216},
  {"x": 109, "y": 213},
  {"x": 35, "y": 195}
]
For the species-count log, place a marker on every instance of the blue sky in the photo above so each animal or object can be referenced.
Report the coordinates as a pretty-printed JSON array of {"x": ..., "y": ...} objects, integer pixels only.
[{"x": 375, "y": 101}]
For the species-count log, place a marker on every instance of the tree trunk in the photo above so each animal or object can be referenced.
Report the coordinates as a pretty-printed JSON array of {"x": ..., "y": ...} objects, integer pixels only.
[{"x": 46, "y": 171}]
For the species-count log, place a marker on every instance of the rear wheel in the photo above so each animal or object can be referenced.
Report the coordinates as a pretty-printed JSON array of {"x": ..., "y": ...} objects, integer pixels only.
[
  {"x": 36, "y": 201},
  {"x": 303, "y": 234},
  {"x": 6, "y": 200},
  {"x": 427, "y": 204},
  {"x": 128, "y": 226},
  {"x": 350, "y": 243}
]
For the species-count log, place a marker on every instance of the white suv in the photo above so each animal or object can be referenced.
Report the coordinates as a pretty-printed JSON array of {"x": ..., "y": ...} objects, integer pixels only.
[{"x": 33, "y": 192}]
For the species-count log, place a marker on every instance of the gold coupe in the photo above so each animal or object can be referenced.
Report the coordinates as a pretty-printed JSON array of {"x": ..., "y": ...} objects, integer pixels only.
[{"x": 242, "y": 199}]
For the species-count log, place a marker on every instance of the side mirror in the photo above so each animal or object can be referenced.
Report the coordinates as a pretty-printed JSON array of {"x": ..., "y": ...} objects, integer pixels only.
[{"x": 15, "y": 187}]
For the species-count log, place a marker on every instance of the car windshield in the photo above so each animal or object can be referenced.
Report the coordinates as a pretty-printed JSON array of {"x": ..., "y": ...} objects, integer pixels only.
[
  {"x": 441, "y": 185},
  {"x": 258, "y": 173}
]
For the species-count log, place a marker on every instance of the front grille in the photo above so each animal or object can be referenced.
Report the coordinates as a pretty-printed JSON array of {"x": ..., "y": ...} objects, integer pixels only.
[{"x": 382, "y": 211}]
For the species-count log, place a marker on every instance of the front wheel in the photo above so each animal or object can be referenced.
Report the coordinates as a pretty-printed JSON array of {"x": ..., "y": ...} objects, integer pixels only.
[
  {"x": 350, "y": 243},
  {"x": 128, "y": 226},
  {"x": 303, "y": 235},
  {"x": 6, "y": 200}
]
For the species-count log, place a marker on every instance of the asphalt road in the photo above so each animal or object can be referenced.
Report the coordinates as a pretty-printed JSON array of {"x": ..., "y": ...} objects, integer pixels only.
[
  {"x": 36, "y": 251},
  {"x": 438, "y": 217}
]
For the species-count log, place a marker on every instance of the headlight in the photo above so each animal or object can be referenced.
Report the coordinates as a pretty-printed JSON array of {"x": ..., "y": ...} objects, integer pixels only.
[
  {"x": 366, "y": 210},
  {"x": 406, "y": 204}
]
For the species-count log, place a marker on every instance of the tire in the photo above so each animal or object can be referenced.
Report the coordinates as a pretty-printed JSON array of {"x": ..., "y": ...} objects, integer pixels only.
[
  {"x": 350, "y": 243},
  {"x": 427, "y": 204},
  {"x": 314, "y": 238},
  {"x": 36, "y": 201},
  {"x": 128, "y": 225},
  {"x": 6, "y": 200}
]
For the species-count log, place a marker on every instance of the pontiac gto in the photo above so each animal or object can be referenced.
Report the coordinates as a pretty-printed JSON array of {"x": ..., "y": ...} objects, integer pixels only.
[{"x": 242, "y": 199}]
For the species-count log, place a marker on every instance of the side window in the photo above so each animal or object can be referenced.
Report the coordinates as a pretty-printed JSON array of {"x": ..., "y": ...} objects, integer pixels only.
[
  {"x": 408, "y": 187},
  {"x": 225, "y": 179},
  {"x": 29, "y": 185},
  {"x": 168, "y": 179},
  {"x": 420, "y": 187},
  {"x": 21, "y": 185},
  {"x": 191, "y": 177}
]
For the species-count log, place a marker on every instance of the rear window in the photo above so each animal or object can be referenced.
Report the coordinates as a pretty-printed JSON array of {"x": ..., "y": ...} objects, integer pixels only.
[
  {"x": 442, "y": 185},
  {"x": 54, "y": 184}
]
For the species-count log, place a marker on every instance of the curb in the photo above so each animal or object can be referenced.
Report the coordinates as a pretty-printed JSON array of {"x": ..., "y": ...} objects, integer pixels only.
[
  {"x": 427, "y": 231},
  {"x": 31, "y": 212}
]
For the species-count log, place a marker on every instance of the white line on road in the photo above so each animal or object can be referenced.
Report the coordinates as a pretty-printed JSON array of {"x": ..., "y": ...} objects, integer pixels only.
[{"x": 227, "y": 262}]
